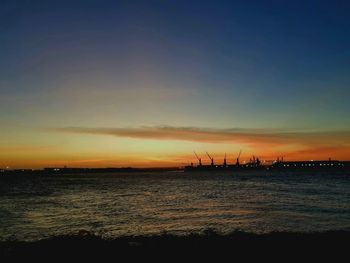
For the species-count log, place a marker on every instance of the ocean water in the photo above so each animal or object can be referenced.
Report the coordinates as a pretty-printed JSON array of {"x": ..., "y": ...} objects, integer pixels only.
[{"x": 36, "y": 207}]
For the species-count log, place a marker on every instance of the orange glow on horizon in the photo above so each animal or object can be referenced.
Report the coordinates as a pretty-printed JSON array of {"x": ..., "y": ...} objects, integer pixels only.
[
  {"x": 171, "y": 161},
  {"x": 167, "y": 147}
]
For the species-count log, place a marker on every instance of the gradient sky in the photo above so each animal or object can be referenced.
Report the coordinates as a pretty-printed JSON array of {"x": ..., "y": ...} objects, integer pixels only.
[{"x": 144, "y": 83}]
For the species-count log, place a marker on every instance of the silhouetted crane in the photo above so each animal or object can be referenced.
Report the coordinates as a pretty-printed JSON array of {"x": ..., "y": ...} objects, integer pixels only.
[
  {"x": 257, "y": 162},
  {"x": 237, "y": 160},
  {"x": 199, "y": 159},
  {"x": 211, "y": 159},
  {"x": 280, "y": 159},
  {"x": 225, "y": 163}
]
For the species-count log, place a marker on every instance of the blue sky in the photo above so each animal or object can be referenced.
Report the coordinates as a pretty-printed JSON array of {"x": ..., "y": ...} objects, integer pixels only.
[{"x": 206, "y": 64}]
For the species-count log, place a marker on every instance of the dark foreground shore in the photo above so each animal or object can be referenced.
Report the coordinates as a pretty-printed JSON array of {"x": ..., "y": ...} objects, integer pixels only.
[{"x": 333, "y": 244}]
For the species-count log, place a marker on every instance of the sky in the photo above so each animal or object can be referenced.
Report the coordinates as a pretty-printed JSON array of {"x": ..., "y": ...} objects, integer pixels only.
[{"x": 145, "y": 83}]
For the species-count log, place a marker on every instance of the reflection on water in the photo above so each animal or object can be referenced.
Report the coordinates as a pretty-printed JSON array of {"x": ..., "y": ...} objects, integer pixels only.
[{"x": 130, "y": 204}]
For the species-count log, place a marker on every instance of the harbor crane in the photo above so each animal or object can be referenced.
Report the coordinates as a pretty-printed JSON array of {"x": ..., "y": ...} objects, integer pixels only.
[
  {"x": 199, "y": 159},
  {"x": 279, "y": 159},
  {"x": 225, "y": 163},
  {"x": 237, "y": 160},
  {"x": 211, "y": 159}
]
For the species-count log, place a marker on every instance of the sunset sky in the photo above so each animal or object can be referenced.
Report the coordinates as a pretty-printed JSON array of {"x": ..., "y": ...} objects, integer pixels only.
[{"x": 145, "y": 83}]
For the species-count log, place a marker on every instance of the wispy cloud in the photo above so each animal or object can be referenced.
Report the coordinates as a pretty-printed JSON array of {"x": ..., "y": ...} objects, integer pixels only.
[
  {"x": 208, "y": 135},
  {"x": 7, "y": 149}
]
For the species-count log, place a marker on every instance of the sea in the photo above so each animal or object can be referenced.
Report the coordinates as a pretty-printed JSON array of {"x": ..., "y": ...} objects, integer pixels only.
[{"x": 153, "y": 203}]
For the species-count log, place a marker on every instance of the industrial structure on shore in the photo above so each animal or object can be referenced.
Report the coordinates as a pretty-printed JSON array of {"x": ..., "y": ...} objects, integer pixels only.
[{"x": 256, "y": 164}]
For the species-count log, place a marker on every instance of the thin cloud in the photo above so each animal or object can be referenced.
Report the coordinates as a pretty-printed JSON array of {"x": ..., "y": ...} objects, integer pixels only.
[
  {"x": 207, "y": 135},
  {"x": 6, "y": 149}
]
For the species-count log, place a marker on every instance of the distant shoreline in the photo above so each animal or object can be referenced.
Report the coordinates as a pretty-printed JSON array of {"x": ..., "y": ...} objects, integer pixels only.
[
  {"x": 325, "y": 165},
  {"x": 64, "y": 171},
  {"x": 139, "y": 171}
]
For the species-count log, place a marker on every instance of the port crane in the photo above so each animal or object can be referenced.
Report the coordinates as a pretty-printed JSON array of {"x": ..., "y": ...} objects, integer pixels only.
[
  {"x": 279, "y": 159},
  {"x": 237, "y": 160},
  {"x": 199, "y": 159},
  {"x": 255, "y": 161},
  {"x": 225, "y": 163},
  {"x": 211, "y": 159}
]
